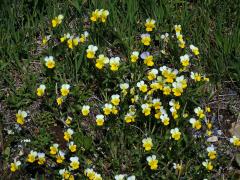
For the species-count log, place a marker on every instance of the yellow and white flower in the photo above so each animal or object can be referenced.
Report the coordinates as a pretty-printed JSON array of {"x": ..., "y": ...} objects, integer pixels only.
[
  {"x": 235, "y": 141},
  {"x": 74, "y": 162},
  {"x": 45, "y": 39},
  {"x": 147, "y": 144},
  {"x": 95, "y": 15},
  {"x": 194, "y": 49},
  {"x": 208, "y": 165},
  {"x": 72, "y": 147},
  {"x": 65, "y": 174},
  {"x": 20, "y": 117},
  {"x": 114, "y": 63},
  {"x": 134, "y": 56},
  {"x": 150, "y": 24},
  {"x": 199, "y": 112},
  {"x": 148, "y": 59},
  {"x": 49, "y": 62},
  {"x": 152, "y": 74},
  {"x": 41, "y": 89},
  {"x": 65, "y": 89},
  {"x": 146, "y": 39},
  {"x": 146, "y": 109},
  {"x": 54, "y": 149},
  {"x": 91, "y": 51},
  {"x": 100, "y": 120},
  {"x": 103, "y": 15},
  {"x": 15, "y": 165},
  {"x": 84, "y": 37},
  {"x": 176, "y": 134},
  {"x": 68, "y": 134},
  {"x": 60, "y": 157},
  {"x": 68, "y": 120},
  {"x": 101, "y": 61},
  {"x": 32, "y": 156},
  {"x": 57, "y": 20},
  {"x": 85, "y": 110},
  {"x": 115, "y": 99},
  {"x": 41, "y": 158},
  {"x": 152, "y": 162},
  {"x": 185, "y": 60},
  {"x": 142, "y": 86},
  {"x": 211, "y": 152},
  {"x": 165, "y": 119},
  {"x": 196, "y": 124},
  {"x": 195, "y": 76},
  {"x": 129, "y": 117},
  {"x": 178, "y": 28},
  {"x": 107, "y": 109},
  {"x": 156, "y": 103}
]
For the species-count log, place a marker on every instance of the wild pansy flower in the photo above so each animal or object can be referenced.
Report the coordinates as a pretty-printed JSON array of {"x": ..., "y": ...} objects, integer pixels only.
[
  {"x": 68, "y": 120},
  {"x": 32, "y": 156},
  {"x": 64, "y": 37},
  {"x": 165, "y": 38},
  {"x": 142, "y": 86},
  {"x": 103, "y": 15},
  {"x": 65, "y": 89},
  {"x": 72, "y": 147},
  {"x": 152, "y": 162},
  {"x": 208, "y": 165},
  {"x": 178, "y": 28},
  {"x": 91, "y": 51},
  {"x": 194, "y": 49},
  {"x": 85, "y": 110},
  {"x": 185, "y": 60},
  {"x": 115, "y": 99},
  {"x": 156, "y": 103},
  {"x": 60, "y": 157},
  {"x": 146, "y": 109},
  {"x": 54, "y": 149},
  {"x": 211, "y": 152},
  {"x": 177, "y": 88},
  {"x": 152, "y": 74},
  {"x": 196, "y": 124},
  {"x": 59, "y": 101},
  {"x": 41, "y": 158},
  {"x": 176, "y": 134},
  {"x": 146, "y": 39},
  {"x": 74, "y": 162},
  {"x": 147, "y": 144},
  {"x": 150, "y": 24},
  {"x": 99, "y": 120},
  {"x": 235, "y": 141},
  {"x": 114, "y": 63},
  {"x": 57, "y": 20},
  {"x": 107, "y": 109},
  {"x": 95, "y": 15},
  {"x": 166, "y": 90},
  {"x": 49, "y": 62},
  {"x": 84, "y": 36},
  {"x": 21, "y": 115},
  {"x": 148, "y": 59},
  {"x": 195, "y": 76},
  {"x": 165, "y": 119},
  {"x": 134, "y": 56},
  {"x": 68, "y": 134},
  {"x": 15, "y": 165},
  {"x": 129, "y": 117},
  {"x": 45, "y": 39},
  {"x": 65, "y": 174},
  {"x": 120, "y": 177},
  {"x": 41, "y": 90},
  {"x": 199, "y": 112},
  {"x": 101, "y": 61}
]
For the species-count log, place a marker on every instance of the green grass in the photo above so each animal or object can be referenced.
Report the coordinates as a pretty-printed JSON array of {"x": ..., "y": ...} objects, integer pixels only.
[{"x": 211, "y": 25}]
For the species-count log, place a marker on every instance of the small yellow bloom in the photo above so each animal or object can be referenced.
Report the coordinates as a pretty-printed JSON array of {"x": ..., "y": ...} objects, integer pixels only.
[
  {"x": 166, "y": 90},
  {"x": 147, "y": 144},
  {"x": 101, "y": 61},
  {"x": 150, "y": 24},
  {"x": 49, "y": 62},
  {"x": 152, "y": 74},
  {"x": 178, "y": 28},
  {"x": 142, "y": 86},
  {"x": 57, "y": 20},
  {"x": 115, "y": 99},
  {"x": 85, "y": 110},
  {"x": 211, "y": 152},
  {"x": 152, "y": 162},
  {"x": 148, "y": 59},
  {"x": 199, "y": 112},
  {"x": 129, "y": 117},
  {"x": 54, "y": 149},
  {"x": 176, "y": 134},
  {"x": 72, "y": 147},
  {"x": 15, "y": 165},
  {"x": 194, "y": 49},
  {"x": 41, "y": 158},
  {"x": 165, "y": 119},
  {"x": 185, "y": 60},
  {"x": 114, "y": 63},
  {"x": 103, "y": 15},
  {"x": 45, "y": 39},
  {"x": 107, "y": 109},
  {"x": 60, "y": 157},
  {"x": 65, "y": 89},
  {"x": 91, "y": 51},
  {"x": 195, "y": 76},
  {"x": 235, "y": 141},
  {"x": 146, "y": 39},
  {"x": 146, "y": 109},
  {"x": 208, "y": 165},
  {"x": 21, "y": 115},
  {"x": 41, "y": 90},
  {"x": 74, "y": 162},
  {"x": 32, "y": 156},
  {"x": 100, "y": 119},
  {"x": 196, "y": 124},
  {"x": 68, "y": 134},
  {"x": 134, "y": 56},
  {"x": 59, "y": 100},
  {"x": 68, "y": 120}
]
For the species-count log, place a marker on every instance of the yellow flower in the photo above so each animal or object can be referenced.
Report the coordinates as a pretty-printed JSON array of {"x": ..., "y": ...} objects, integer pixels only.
[
  {"x": 21, "y": 115},
  {"x": 166, "y": 90},
  {"x": 32, "y": 156},
  {"x": 57, "y": 20},
  {"x": 178, "y": 28},
  {"x": 45, "y": 39},
  {"x": 91, "y": 51},
  {"x": 174, "y": 104},
  {"x": 146, "y": 39},
  {"x": 142, "y": 86},
  {"x": 175, "y": 134},
  {"x": 103, "y": 15},
  {"x": 115, "y": 110},
  {"x": 199, "y": 112},
  {"x": 65, "y": 89},
  {"x": 59, "y": 100},
  {"x": 115, "y": 99},
  {"x": 65, "y": 36},
  {"x": 41, "y": 158},
  {"x": 168, "y": 73},
  {"x": 54, "y": 149},
  {"x": 195, "y": 76},
  {"x": 41, "y": 90},
  {"x": 235, "y": 141},
  {"x": 74, "y": 163},
  {"x": 72, "y": 147},
  {"x": 185, "y": 60},
  {"x": 148, "y": 59},
  {"x": 65, "y": 174},
  {"x": 181, "y": 44},
  {"x": 95, "y": 15},
  {"x": 60, "y": 157},
  {"x": 150, "y": 24},
  {"x": 68, "y": 134},
  {"x": 152, "y": 162},
  {"x": 49, "y": 62},
  {"x": 129, "y": 117},
  {"x": 15, "y": 165},
  {"x": 146, "y": 109},
  {"x": 211, "y": 152},
  {"x": 100, "y": 119},
  {"x": 85, "y": 110},
  {"x": 101, "y": 61},
  {"x": 178, "y": 167},
  {"x": 177, "y": 89},
  {"x": 152, "y": 74},
  {"x": 84, "y": 37},
  {"x": 134, "y": 56},
  {"x": 165, "y": 119},
  {"x": 156, "y": 104},
  {"x": 147, "y": 144},
  {"x": 208, "y": 165},
  {"x": 89, "y": 173},
  {"x": 194, "y": 49},
  {"x": 97, "y": 177},
  {"x": 68, "y": 120},
  {"x": 107, "y": 109},
  {"x": 196, "y": 124},
  {"x": 182, "y": 81},
  {"x": 114, "y": 63},
  {"x": 208, "y": 109}
]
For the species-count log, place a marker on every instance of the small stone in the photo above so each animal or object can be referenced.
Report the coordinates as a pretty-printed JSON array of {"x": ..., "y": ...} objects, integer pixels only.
[{"x": 212, "y": 139}]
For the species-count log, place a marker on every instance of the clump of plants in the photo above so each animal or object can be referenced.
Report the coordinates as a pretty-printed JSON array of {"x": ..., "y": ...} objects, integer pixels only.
[{"x": 140, "y": 116}]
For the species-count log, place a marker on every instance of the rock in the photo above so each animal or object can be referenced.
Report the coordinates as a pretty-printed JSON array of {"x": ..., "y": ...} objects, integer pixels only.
[{"x": 212, "y": 139}]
